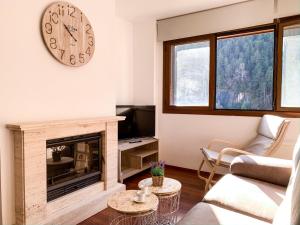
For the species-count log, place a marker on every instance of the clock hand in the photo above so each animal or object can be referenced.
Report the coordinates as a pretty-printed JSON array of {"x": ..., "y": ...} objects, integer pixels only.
[{"x": 70, "y": 32}]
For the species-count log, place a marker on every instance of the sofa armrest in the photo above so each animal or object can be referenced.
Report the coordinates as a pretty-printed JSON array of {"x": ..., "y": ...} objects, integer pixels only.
[{"x": 272, "y": 170}]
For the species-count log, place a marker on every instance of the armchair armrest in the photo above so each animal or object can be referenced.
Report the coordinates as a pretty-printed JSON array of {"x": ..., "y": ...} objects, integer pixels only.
[
  {"x": 218, "y": 144},
  {"x": 231, "y": 150},
  {"x": 272, "y": 170}
]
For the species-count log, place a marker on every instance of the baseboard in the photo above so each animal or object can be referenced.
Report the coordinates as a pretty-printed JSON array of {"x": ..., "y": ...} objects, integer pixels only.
[
  {"x": 181, "y": 168},
  {"x": 189, "y": 170}
]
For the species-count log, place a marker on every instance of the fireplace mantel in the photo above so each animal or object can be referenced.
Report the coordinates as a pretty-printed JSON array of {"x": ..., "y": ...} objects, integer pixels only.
[
  {"x": 31, "y": 206},
  {"x": 64, "y": 123}
]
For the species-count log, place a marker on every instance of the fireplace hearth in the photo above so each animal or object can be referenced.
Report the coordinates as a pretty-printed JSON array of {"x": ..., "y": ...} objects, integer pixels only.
[{"x": 73, "y": 163}]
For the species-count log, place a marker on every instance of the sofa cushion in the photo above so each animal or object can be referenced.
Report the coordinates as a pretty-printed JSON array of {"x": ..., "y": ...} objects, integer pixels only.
[
  {"x": 270, "y": 126},
  {"x": 268, "y": 169},
  {"x": 295, "y": 215},
  {"x": 283, "y": 215},
  {"x": 208, "y": 214},
  {"x": 289, "y": 210},
  {"x": 296, "y": 154},
  {"x": 249, "y": 196}
]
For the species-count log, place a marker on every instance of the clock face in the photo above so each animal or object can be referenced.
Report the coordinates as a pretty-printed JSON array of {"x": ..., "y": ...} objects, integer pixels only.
[{"x": 68, "y": 34}]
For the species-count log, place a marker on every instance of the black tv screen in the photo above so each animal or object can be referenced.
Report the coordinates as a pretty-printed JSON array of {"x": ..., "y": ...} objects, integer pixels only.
[{"x": 139, "y": 122}]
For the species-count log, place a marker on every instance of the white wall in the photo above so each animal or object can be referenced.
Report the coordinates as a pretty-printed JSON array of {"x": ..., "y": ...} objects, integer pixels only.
[
  {"x": 35, "y": 87},
  {"x": 124, "y": 61},
  {"x": 217, "y": 20},
  {"x": 181, "y": 136},
  {"x": 126, "y": 69},
  {"x": 246, "y": 14},
  {"x": 144, "y": 38},
  {"x": 135, "y": 60},
  {"x": 287, "y": 8}
]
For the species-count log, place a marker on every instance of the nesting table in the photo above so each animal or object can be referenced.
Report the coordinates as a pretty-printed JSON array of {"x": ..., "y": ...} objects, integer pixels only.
[
  {"x": 169, "y": 199},
  {"x": 128, "y": 212}
]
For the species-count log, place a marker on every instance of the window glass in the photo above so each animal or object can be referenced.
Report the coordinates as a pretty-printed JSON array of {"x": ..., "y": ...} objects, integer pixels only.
[
  {"x": 290, "y": 89},
  {"x": 244, "y": 75},
  {"x": 190, "y": 77}
]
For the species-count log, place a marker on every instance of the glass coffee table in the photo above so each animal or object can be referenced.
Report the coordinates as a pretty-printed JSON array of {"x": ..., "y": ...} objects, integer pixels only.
[
  {"x": 128, "y": 212},
  {"x": 169, "y": 199}
]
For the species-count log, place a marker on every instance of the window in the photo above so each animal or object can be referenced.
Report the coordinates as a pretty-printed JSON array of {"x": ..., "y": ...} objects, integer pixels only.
[
  {"x": 191, "y": 74},
  {"x": 245, "y": 72},
  {"x": 290, "y": 87},
  {"x": 188, "y": 69},
  {"x": 251, "y": 71}
]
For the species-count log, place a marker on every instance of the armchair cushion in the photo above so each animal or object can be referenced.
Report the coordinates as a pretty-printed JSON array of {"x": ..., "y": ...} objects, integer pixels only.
[
  {"x": 208, "y": 214},
  {"x": 273, "y": 170},
  {"x": 251, "y": 197},
  {"x": 270, "y": 126},
  {"x": 260, "y": 145}
]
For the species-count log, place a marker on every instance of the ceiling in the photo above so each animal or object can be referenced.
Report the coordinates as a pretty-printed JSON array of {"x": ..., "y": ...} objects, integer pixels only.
[{"x": 134, "y": 10}]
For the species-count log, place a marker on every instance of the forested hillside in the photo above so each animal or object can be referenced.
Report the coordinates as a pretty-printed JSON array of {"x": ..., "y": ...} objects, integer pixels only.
[{"x": 245, "y": 72}]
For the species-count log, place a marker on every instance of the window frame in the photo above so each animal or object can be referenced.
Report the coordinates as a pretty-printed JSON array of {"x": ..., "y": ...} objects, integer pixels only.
[
  {"x": 245, "y": 32},
  {"x": 211, "y": 109},
  {"x": 168, "y": 107},
  {"x": 281, "y": 23}
]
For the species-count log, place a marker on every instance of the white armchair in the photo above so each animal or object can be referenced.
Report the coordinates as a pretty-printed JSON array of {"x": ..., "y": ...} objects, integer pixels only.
[{"x": 220, "y": 153}]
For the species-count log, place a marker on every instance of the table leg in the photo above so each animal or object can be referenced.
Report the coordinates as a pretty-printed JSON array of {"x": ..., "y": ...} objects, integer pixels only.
[
  {"x": 148, "y": 218},
  {"x": 168, "y": 208}
]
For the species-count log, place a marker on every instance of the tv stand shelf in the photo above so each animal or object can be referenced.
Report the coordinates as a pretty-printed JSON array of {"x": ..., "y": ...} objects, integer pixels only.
[
  {"x": 141, "y": 153},
  {"x": 135, "y": 157}
]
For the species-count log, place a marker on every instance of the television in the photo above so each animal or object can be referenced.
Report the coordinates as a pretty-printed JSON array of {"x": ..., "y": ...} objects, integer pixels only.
[{"x": 139, "y": 122}]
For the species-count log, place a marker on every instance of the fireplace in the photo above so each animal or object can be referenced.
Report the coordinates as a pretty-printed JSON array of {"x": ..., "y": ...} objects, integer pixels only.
[
  {"x": 73, "y": 163},
  {"x": 40, "y": 177}
]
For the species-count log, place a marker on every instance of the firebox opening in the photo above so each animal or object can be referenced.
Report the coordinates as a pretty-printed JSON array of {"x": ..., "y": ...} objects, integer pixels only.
[{"x": 73, "y": 163}]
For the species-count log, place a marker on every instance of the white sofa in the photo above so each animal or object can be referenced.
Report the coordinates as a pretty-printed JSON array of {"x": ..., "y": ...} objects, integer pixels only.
[{"x": 259, "y": 190}]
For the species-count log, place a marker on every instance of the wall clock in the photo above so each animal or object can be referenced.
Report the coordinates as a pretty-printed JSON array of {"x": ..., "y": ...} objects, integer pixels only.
[{"x": 68, "y": 34}]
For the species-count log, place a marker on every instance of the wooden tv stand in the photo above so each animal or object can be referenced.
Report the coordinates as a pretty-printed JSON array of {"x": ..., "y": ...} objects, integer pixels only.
[{"x": 135, "y": 157}]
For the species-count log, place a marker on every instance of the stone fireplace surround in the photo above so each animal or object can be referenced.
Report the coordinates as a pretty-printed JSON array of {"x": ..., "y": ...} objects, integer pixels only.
[{"x": 31, "y": 206}]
